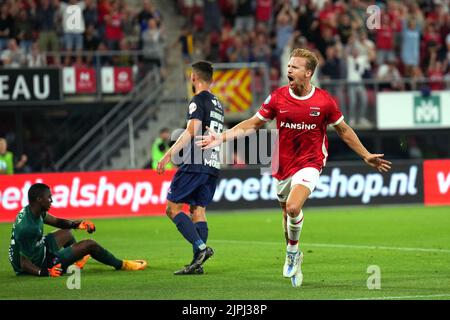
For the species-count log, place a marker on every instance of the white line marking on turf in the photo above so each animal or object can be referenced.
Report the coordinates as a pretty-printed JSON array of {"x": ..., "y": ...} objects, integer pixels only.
[
  {"x": 403, "y": 297},
  {"x": 344, "y": 246}
]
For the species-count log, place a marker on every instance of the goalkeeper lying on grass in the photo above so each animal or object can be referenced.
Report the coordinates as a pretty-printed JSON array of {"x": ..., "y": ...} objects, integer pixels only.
[{"x": 33, "y": 253}]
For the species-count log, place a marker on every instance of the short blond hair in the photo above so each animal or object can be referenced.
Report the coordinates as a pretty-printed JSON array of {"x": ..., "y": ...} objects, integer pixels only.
[{"x": 311, "y": 59}]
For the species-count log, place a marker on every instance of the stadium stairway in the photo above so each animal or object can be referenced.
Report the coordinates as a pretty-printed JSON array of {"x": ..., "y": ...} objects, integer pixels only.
[
  {"x": 172, "y": 108},
  {"x": 137, "y": 120}
]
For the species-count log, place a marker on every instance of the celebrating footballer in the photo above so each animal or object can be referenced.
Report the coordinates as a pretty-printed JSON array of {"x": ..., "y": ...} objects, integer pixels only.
[{"x": 303, "y": 113}]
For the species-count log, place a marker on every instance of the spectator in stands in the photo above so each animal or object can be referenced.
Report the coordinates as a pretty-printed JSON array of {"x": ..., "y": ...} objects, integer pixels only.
[
  {"x": 395, "y": 11},
  {"x": 46, "y": 15},
  {"x": 239, "y": 51},
  {"x": 212, "y": 16},
  {"x": 148, "y": 12},
  {"x": 325, "y": 40},
  {"x": 344, "y": 28},
  {"x": 356, "y": 66},
  {"x": 284, "y": 28},
  {"x": 260, "y": 49},
  {"x": 245, "y": 20},
  {"x": 90, "y": 13},
  {"x": 24, "y": 30},
  {"x": 308, "y": 24},
  {"x": 6, "y": 25},
  {"x": 228, "y": 11},
  {"x": 264, "y": 12},
  {"x": 7, "y": 159},
  {"x": 385, "y": 36},
  {"x": 153, "y": 44},
  {"x": 73, "y": 34},
  {"x": 103, "y": 9},
  {"x": 435, "y": 75},
  {"x": 186, "y": 40},
  {"x": 358, "y": 13},
  {"x": 114, "y": 21},
  {"x": 444, "y": 28},
  {"x": 274, "y": 78},
  {"x": 410, "y": 52},
  {"x": 13, "y": 56},
  {"x": 327, "y": 23},
  {"x": 366, "y": 47},
  {"x": 198, "y": 22},
  {"x": 91, "y": 39},
  {"x": 160, "y": 147},
  {"x": 389, "y": 76},
  {"x": 222, "y": 43},
  {"x": 432, "y": 44},
  {"x": 130, "y": 28},
  {"x": 416, "y": 13},
  {"x": 327, "y": 17},
  {"x": 35, "y": 58},
  {"x": 333, "y": 69},
  {"x": 28, "y": 5},
  {"x": 207, "y": 45},
  {"x": 124, "y": 59},
  {"x": 190, "y": 7},
  {"x": 91, "y": 43}
]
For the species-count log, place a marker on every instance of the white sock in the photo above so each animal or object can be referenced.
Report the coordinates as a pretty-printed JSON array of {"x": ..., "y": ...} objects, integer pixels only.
[{"x": 294, "y": 228}]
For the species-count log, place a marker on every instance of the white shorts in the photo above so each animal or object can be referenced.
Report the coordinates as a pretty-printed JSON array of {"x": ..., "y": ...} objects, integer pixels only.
[{"x": 307, "y": 177}]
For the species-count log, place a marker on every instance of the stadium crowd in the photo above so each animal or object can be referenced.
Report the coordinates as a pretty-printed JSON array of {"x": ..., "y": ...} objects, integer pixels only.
[
  {"x": 411, "y": 41},
  {"x": 30, "y": 28}
]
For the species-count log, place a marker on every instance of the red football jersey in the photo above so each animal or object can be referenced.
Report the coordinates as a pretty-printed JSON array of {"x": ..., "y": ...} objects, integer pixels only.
[{"x": 302, "y": 124}]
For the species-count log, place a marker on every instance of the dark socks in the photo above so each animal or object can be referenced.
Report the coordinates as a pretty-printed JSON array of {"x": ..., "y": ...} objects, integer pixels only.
[
  {"x": 202, "y": 230},
  {"x": 187, "y": 228},
  {"x": 104, "y": 256}
]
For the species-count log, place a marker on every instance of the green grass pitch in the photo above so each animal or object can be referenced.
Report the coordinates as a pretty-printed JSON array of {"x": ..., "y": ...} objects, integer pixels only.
[{"x": 410, "y": 245}]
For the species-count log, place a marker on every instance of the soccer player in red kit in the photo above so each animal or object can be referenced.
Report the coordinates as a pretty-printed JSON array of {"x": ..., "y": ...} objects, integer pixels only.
[{"x": 303, "y": 113}]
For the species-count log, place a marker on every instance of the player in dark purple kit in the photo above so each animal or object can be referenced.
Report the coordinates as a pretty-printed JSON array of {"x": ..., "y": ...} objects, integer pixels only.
[{"x": 196, "y": 179}]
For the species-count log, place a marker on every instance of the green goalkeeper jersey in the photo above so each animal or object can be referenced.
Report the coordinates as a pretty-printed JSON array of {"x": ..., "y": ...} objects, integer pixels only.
[{"x": 27, "y": 239}]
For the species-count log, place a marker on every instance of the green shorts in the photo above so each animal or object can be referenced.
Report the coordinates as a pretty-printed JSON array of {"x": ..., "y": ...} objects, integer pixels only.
[{"x": 65, "y": 255}]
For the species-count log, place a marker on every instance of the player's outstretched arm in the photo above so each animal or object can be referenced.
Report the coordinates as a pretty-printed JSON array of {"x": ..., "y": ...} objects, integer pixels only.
[
  {"x": 349, "y": 136},
  {"x": 242, "y": 129},
  {"x": 69, "y": 224},
  {"x": 192, "y": 128}
]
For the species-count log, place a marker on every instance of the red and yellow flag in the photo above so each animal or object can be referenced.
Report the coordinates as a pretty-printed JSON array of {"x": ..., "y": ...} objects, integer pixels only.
[{"x": 233, "y": 88}]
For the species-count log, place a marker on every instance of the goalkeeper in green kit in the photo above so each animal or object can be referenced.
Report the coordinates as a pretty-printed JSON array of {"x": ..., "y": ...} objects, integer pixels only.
[{"x": 31, "y": 252}]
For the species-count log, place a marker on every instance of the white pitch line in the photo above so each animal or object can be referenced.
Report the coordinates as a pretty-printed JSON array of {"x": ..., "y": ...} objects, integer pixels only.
[
  {"x": 344, "y": 246},
  {"x": 404, "y": 297}
]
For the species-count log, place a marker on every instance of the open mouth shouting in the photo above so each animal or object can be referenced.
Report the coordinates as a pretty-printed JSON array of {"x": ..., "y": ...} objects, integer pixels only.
[{"x": 291, "y": 82}]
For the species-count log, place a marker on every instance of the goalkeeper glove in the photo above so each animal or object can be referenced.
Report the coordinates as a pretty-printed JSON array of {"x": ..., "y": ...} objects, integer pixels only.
[
  {"x": 86, "y": 225},
  {"x": 55, "y": 271}
]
